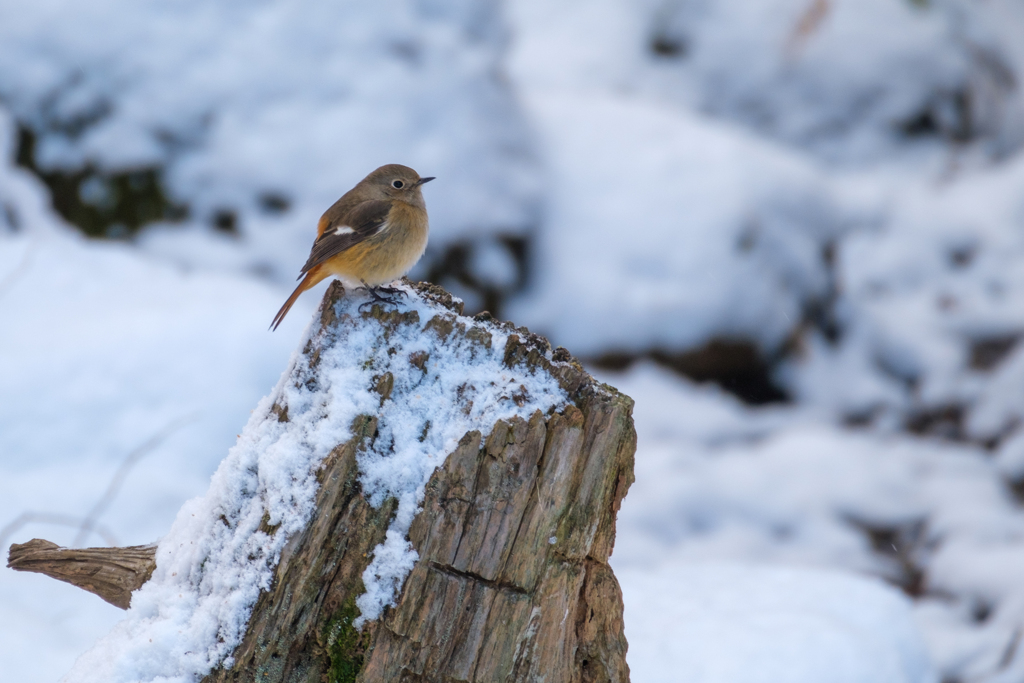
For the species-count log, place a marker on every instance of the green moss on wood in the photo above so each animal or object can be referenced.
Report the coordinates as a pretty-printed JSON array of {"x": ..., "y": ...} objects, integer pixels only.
[{"x": 346, "y": 645}]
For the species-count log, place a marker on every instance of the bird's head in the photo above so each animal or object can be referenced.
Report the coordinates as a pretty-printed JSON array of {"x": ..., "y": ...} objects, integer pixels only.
[{"x": 397, "y": 183}]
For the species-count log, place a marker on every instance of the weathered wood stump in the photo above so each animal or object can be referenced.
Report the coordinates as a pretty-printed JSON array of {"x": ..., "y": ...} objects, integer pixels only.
[{"x": 512, "y": 582}]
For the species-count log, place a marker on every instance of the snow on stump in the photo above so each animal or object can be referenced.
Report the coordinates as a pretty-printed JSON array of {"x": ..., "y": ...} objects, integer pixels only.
[{"x": 424, "y": 497}]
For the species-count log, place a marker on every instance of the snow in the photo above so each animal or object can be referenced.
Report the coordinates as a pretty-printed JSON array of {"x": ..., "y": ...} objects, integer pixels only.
[
  {"x": 709, "y": 214},
  {"x": 836, "y": 181},
  {"x": 836, "y": 78},
  {"x": 777, "y": 486},
  {"x": 758, "y": 623},
  {"x": 896, "y": 59},
  {"x": 653, "y": 167}
]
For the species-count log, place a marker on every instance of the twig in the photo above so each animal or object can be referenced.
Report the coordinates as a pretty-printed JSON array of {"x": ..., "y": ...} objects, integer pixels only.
[
  {"x": 53, "y": 518},
  {"x": 26, "y": 261},
  {"x": 1010, "y": 653},
  {"x": 89, "y": 522},
  {"x": 809, "y": 23}
]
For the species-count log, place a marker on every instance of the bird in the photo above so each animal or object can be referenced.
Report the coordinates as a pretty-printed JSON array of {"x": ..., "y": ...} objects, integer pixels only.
[{"x": 373, "y": 235}]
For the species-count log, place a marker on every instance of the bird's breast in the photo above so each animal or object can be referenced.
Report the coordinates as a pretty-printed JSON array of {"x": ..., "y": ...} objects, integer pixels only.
[{"x": 389, "y": 254}]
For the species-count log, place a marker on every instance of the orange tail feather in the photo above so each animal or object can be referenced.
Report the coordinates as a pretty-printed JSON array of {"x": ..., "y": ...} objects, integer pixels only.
[{"x": 312, "y": 277}]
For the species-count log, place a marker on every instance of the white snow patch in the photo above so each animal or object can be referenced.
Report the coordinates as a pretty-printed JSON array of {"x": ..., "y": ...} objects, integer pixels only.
[
  {"x": 678, "y": 228},
  {"x": 400, "y": 464},
  {"x": 716, "y": 622}
]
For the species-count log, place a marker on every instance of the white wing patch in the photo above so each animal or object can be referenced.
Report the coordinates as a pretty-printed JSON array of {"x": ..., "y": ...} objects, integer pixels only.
[{"x": 345, "y": 230}]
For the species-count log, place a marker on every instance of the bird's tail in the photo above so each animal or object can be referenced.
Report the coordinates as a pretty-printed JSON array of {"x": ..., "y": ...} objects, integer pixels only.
[{"x": 312, "y": 277}]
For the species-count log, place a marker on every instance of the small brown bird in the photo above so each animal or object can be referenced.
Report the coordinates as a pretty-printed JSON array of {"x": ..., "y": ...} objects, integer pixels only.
[{"x": 374, "y": 234}]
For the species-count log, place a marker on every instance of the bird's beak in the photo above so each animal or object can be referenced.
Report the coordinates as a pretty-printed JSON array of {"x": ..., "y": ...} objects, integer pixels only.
[{"x": 423, "y": 181}]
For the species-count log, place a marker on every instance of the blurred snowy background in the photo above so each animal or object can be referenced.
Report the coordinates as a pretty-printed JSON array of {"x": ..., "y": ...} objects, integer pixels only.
[{"x": 792, "y": 231}]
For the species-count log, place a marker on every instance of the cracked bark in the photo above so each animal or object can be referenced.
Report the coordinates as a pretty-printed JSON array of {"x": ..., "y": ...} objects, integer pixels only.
[{"x": 512, "y": 583}]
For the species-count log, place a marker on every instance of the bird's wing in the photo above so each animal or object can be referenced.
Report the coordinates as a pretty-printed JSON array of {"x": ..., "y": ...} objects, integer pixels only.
[{"x": 366, "y": 219}]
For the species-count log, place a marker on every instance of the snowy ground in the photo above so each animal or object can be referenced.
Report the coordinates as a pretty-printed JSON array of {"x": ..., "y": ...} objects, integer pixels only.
[
  {"x": 838, "y": 182},
  {"x": 767, "y": 625}
]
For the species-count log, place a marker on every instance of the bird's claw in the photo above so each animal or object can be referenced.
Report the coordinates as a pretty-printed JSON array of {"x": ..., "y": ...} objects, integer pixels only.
[
  {"x": 379, "y": 295},
  {"x": 390, "y": 291}
]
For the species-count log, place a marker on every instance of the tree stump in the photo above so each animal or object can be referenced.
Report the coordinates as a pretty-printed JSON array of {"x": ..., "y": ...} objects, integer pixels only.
[{"x": 513, "y": 535}]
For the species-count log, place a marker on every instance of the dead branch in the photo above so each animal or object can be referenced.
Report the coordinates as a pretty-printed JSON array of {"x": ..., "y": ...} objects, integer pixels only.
[{"x": 111, "y": 573}]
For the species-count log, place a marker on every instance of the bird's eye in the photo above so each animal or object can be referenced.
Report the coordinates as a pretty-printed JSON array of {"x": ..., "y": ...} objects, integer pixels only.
[{"x": 397, "y": 184}]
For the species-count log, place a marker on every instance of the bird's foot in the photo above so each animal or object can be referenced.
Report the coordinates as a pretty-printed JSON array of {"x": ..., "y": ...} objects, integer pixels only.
[
  {"x": 380, "y": 295},
  {"x": 390, "y": 291}
]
